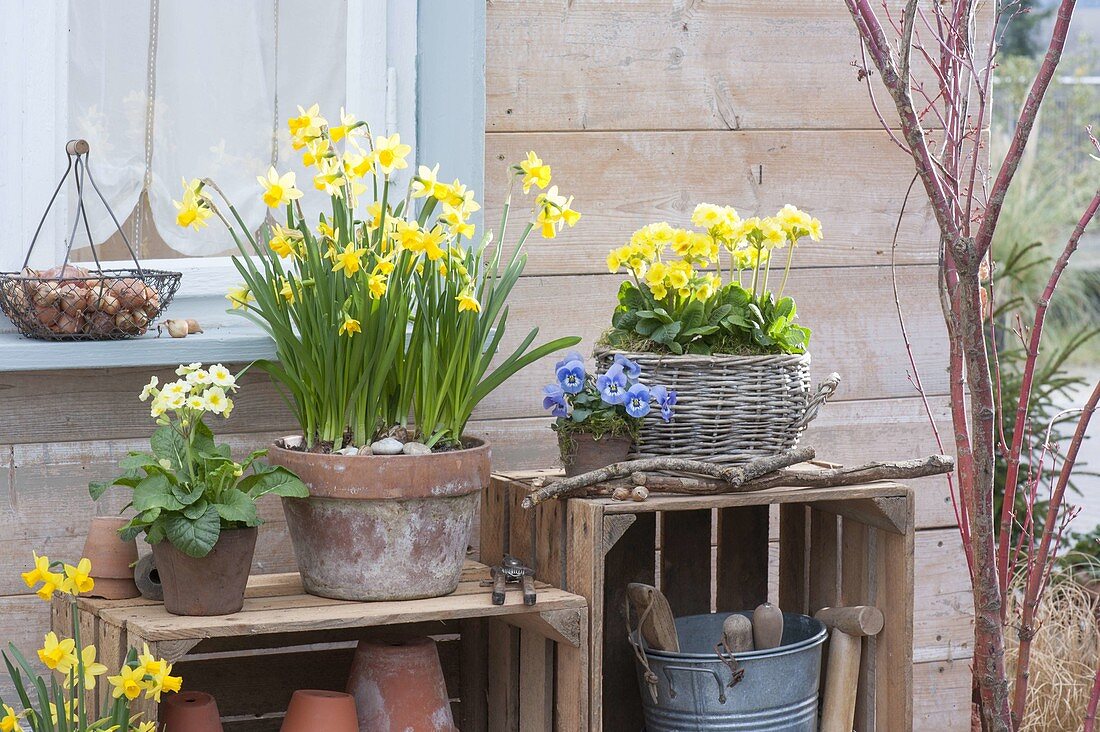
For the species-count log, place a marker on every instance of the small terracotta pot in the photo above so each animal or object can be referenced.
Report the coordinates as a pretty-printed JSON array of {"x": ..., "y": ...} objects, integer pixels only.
[
  {"x": 311, "y": 710},
  {"x": 210, "y": 585},
  {"x": 400, "y": 686},
  {"x": 190, "y": 711},
  {"x": 112, "y": 559},
  {"x": 581, "y": 452}
]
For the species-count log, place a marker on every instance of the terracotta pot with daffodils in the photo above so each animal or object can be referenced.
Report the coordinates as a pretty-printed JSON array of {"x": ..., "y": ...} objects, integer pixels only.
[
  {"x": 60, "y": 701},
  {"x": 381, "y": 308},
  {"x": 705, "y": 311},
  {"x": 194, "y": 503}
]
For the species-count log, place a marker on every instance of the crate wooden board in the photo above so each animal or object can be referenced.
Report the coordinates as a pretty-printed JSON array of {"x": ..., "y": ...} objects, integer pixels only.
[
  {"x": 280, "y": 626},
  {"x": 849, "y": 545}
]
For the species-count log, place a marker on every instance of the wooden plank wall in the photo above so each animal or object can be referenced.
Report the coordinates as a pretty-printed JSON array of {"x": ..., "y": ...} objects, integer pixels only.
[{"x": 645, "y": 108}]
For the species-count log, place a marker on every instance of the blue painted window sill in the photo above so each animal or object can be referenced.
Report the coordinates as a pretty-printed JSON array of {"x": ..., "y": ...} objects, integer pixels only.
[{"x": 237, "y": 343}]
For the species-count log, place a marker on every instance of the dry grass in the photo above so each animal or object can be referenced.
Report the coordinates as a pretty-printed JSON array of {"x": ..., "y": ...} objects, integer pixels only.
[{"x": 1064, "y": 654}]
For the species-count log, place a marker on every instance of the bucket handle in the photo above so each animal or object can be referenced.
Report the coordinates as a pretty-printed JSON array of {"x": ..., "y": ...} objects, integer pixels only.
[
  {"x": 824, "y": 391},
  {"x": 639, "y": 650},
  {"x": 692, "y": 669}
]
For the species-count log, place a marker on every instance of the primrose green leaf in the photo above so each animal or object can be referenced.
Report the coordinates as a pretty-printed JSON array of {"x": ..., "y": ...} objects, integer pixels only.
[
  {"x": 155, "y": 491},
  {"x": 194, "y": 537},
  {"x": 236, "y": 506}
]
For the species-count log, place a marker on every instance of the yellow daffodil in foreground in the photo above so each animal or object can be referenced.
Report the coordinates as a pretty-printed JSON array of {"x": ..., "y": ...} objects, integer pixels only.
[
  {"x": 350, "y": 326},
  {"x": 467, "y": 302},
  {"x": 350, "y": 260},
  {"x": 128, "y": 683},
  {"x": 390, "y": 153},
  {"x": 191, "y": 211},
  {"x": 162, "y": 682},
  {"x": 78, "y": 579},
  {"x": 240, "y": 297},
  {"x": 279, "y": 190},
  {"x": 57, "y": 655},
  {"x": 10, "y": 721},
  {"x": 306, "y": 126},
  {"x": 535, "y": 172},
  {"x": 92, "y": 668}
]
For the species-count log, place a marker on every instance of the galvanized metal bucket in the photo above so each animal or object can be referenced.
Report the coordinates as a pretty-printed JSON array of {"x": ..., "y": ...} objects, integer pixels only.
[{"x": 696, "y": 689}]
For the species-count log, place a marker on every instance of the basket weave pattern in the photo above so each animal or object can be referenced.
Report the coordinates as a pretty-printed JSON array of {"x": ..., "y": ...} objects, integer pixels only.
[{"x": 729, "y": 409}]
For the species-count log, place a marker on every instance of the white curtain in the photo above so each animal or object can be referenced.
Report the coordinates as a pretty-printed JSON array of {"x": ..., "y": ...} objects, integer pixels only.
[{"x": 168, "y": 89}]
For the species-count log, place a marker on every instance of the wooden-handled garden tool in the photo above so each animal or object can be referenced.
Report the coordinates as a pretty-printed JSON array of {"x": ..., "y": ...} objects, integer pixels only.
[{"x": 847, "y": 628}]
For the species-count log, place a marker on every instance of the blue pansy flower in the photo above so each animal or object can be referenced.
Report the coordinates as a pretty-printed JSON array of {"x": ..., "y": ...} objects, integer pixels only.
[
  {"x": 637, "y": 400},
  {"x": 633, "y": 370},
  {"x": 570, "y": 356},
  {"x": 613, "y": 385},
  {"x": 553, "y": 398},
  {"x": 665, "y": 400},
  {"x": 571, "y": 377}
]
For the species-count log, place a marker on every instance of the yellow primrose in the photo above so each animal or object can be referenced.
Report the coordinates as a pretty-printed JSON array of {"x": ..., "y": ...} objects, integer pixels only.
[
  {"x": 78, "y": 579},
  {"x": 221, "y": 376},
  {"x": 194, "y": 402},
  {"x": 350, "y": 325},
  {"x": 149, "y": 389},
  {"x": 57, "y": 655},
  {"x": 658, "y": 290},
  {"x": 535, "y": 173},
  {"x": 129, "y": 683},
  {"x": 215, "y": 400},
  {"x": 656, "y": 273},
  {"x": 614, "y": 262},
  {"x": 10, "y": 721},
  {"x": 390, "y": 153},
  {"x": 707, "y": 216},
  {"x": 279, "y": 190},
  {"x": 192, "y": 211},
  {"x": 467, "y": 301},
  {"x": 349, "y": 260},
  {"x": 306, "y": 126}
]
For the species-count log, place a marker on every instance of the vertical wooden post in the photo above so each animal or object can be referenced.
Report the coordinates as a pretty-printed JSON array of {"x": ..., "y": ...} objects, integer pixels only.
[
  {"x": 571, "y": 706},
  {"x": 793, "y": 591},
  {"x": 584, "y": 577},
  {"x": 894, "y": 646},
  {"x": 742, "y": 566},
  {"x": 473, "y": 641},
  {"x": 493, "y": 520},
  {"x": 503, "y": 676},
  {"x": 536, "y": 692},
  {"x": 824, "y": 560}
]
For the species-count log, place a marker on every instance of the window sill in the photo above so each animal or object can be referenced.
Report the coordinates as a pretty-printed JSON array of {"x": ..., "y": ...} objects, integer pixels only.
[{"x": 237, "y": 343}]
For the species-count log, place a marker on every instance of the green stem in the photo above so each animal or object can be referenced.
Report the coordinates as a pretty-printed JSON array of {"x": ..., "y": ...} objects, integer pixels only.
[{"x": 786, "y": 269}]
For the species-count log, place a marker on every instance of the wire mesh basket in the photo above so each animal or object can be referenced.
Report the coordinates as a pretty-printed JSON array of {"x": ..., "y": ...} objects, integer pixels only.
[{"x": 73, "y": 303}]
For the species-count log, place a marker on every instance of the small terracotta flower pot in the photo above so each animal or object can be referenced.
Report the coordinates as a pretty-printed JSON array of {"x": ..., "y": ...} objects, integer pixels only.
[
  {"x": 400, "y": 686},
  {"x": 210, "y": 585},
  {"x": 311, "y": 710},
  {"x": 112, "y": 559},
  {"x": 581, "y": 452},
  {"x": 190, "y": 711}
]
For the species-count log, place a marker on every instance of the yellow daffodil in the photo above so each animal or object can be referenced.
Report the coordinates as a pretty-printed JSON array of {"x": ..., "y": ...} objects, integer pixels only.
[
  {"x": 78, "y": 579},
  {"x": 347, "y": 125},
  {"x": 429, "y": 243},
  {"x": 535, "y": 172},
  {"x": 41, "y": 570},
  {"x": 128, "y": 683},
  {"x": 376, "y": 284},
  {"x": 350, "y": 260},
  {"x": 279, "y": 190},
  {"x": 10, "y": 721},
  {"x": 390, "y": 153},
  {"x": 357, "y": 164},
  {"x": 284, "y": 241},
  {"x": 384, "y": 266},
  {"x": 455, "y": 217},
  {"x": 554, "y": 210},
  {"x": 57, "y": 655},
  {"x": 70, "y": 712},
  {"x": 306, "y": 126},
  {"x": 192, "y": 211},
  {"x": 425, "y": 182},
  {"x": 287, "y": 291},
  {"x": 92, "y": 668},
  {"x": 316, "y": 151},
  {"x": 162, "y": 682},
  {"x": 240, "y": 297},
  {"x": 467, "y": 301},
  {"x": 407, "y": 235},
  {"x": 350, "y": 326},
  {"x": 330, "y": 178},
  {"x": 144, "y": 727}
]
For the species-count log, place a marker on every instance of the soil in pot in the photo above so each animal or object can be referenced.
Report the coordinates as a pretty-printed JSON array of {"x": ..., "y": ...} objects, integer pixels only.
[
  {"x": 400, "y": 686},
  {"x": 210, "y": 585},
  {"x": 384, "y": 527},
  {"x": 112, "y": 559},
  {"x": 582, "y": 452}
]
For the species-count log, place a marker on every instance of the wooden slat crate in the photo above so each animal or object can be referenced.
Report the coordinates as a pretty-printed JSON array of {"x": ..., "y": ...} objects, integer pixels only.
[
  {"x": 837, "y": 546},
  {"x": 284, "y": 640}
]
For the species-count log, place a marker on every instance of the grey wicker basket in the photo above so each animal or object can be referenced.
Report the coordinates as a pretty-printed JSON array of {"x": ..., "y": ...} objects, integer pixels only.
[{"x": 729, "y": 409}]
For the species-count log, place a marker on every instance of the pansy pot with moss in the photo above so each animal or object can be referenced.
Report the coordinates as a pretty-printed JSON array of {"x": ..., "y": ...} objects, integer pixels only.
[
  {"x": 598, "y": 414},
  {"x": 706, "y": 312},
  {"x": 388, "y": 321},
  {"x": 194, "y": 503}
]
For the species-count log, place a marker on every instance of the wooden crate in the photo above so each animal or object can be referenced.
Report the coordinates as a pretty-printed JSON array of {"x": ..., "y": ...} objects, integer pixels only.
[
  {"x": 836, "y": 546},
  {"x": 283, "y": 640}
]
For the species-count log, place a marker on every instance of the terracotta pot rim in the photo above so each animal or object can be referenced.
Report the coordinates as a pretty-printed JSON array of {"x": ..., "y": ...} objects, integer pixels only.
[{"x": 390, "y": 477}]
